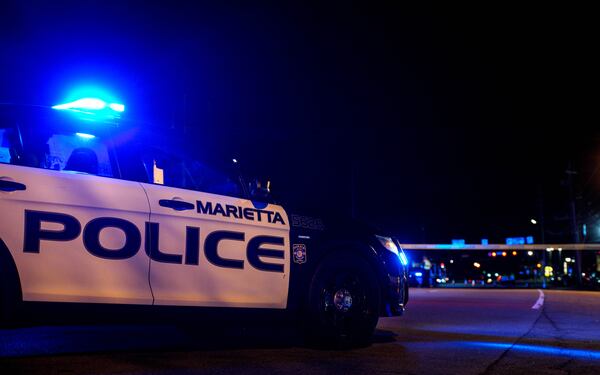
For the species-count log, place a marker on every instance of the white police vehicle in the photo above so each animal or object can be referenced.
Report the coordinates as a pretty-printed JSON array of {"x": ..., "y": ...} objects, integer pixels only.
[{"x": 96, "y": 213}]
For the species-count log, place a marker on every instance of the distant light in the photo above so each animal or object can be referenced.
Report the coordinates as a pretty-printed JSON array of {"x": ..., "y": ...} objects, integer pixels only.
[
  {"x": 442, "y": 265},
  {"x": 418, "y": 274},
  {"x": 584, "y": 230},
  {"x": 496, "y": 275},
  {"x": 476, "y": 265},
  {"x": 530, "y": 253},
  {"x": 234, "y": 161},
  {"x": 583, "y": 274},
  {"x": 489, "y": 275},
  {"x": 489, "y": 281},
  {"x": 85, "y": 135},
  {"x": 539, "y": 265},
  {"x": 568, "y": 260},
  {"x": 451, "y": 261},
  {"x": 515, "y": 241},
  {"x": 504, "y": 253},
  {"x": 560, "y": 249},
  {"x": 494, "y": 254},
  {"x": 533, "y": 221},
  {"x": 484, "y": 241},
  {"x": 514, "y": 253},
  {"x": 550, "y": 249}
]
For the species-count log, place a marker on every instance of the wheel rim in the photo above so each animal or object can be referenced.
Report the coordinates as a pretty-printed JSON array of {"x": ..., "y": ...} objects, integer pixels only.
[{"x": 344, "y": 302}]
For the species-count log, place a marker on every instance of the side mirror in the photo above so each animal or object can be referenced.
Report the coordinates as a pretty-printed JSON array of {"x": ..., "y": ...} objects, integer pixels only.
[{"x": 260, "y": 189}]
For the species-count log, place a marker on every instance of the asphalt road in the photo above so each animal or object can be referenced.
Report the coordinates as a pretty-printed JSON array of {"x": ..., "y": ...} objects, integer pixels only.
[{"x": 444, "y": 331}]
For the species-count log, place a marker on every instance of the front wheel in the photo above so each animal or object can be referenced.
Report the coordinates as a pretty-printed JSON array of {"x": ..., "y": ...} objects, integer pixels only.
[{"x": 343, "y": 301}]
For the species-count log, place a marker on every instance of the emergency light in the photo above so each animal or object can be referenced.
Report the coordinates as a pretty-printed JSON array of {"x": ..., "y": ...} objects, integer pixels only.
[
  {"x": 90, "y": 105},
  {"x": 85, "y": 135}
]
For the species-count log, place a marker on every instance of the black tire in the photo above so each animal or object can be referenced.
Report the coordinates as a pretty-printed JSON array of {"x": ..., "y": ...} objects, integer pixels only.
[
  {"x": 7, "y": 309},
  {"x": 9, "y": 303},
  {"x": 332, "y": 317}
]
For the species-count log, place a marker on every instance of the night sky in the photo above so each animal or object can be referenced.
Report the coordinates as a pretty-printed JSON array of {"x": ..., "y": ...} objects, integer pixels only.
[{"x": 446, "y": 122}]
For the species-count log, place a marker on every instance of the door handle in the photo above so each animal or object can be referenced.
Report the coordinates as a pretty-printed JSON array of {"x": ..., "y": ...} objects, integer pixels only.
[
  {"x": 11, "y": 186},
  {"x": 177, "y": 205}
]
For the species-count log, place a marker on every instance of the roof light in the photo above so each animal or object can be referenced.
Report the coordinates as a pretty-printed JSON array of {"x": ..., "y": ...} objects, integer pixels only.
[
  {"x": 117, "y": 107},
  {"x": 85, "y": 135},
  {"x": 91, "y": 106}
]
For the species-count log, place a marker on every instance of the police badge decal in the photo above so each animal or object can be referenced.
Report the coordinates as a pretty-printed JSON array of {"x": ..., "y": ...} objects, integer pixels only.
[{"x": 299, "y": 251}]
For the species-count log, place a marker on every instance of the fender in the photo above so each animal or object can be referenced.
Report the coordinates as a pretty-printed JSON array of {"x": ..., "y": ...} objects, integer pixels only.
[
  {"x": 360, "y": 249},
  {"x": 318, "y": 252},
  {"x": 11, "y": 294}
]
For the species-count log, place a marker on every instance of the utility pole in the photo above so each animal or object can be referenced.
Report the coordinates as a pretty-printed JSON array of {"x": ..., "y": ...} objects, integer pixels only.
[
  {"x": 353, "y": 189},
  {"x": 542, "y": 230},
  {"x": 574, "y": 227}
]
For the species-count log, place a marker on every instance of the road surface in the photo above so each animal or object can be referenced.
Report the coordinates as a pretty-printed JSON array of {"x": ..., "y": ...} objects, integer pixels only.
[{"x": 444, "y": 331}]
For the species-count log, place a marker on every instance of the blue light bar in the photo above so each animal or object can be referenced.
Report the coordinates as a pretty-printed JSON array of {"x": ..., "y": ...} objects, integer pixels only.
[
  {"x": 117, "y": 107},
  {"x": 90, "y": 105}
]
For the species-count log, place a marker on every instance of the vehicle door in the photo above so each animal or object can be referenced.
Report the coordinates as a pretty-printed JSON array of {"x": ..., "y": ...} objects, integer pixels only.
[
  {"x": 73, "y": 229},
  {"x": 211, "y": 249}
]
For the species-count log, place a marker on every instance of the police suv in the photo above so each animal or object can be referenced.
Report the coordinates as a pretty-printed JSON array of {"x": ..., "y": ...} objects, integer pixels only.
[{"x": 95, "y": 212}]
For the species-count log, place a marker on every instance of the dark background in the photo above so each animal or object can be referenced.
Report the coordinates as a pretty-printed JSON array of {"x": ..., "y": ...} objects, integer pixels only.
[{"x": 441, "y": 121}]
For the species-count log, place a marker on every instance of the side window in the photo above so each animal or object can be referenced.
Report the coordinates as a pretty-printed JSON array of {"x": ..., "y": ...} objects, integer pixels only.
[
  {"x": 79, "y": 153},
  {"x": 169, "y": 170},
  {"x": 5, "y": 146},
  {"x": 76, "y": 152},
  {"x": 49, "y": 144}
]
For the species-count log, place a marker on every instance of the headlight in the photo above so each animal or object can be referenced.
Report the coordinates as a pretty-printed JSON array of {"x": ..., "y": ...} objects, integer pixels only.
[
  {"x": 390, "y": 245},
  {"x": 403, "y": 258}
]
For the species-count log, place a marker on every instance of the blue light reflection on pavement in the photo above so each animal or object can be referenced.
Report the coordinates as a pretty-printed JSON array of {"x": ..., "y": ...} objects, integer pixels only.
[{"x": 565, "y": 352}]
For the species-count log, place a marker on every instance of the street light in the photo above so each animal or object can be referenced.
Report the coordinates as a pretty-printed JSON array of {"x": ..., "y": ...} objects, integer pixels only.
[{"x": 533, "y": 221}]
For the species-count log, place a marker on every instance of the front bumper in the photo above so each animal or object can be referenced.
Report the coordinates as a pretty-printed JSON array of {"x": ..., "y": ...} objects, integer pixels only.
[
  {"x": 394, "y": 286},
  {"x": 397, "y": 296}
]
